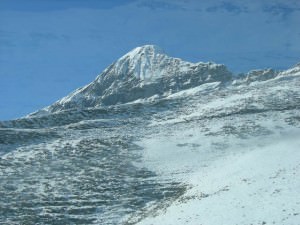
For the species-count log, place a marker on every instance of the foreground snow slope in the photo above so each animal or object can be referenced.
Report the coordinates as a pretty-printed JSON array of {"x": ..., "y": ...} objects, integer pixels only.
[{"x": 261, "y": 186}]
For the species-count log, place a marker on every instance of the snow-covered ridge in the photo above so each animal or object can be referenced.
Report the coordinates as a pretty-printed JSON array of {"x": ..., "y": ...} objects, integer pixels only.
[
  {"x": 143, "y": 72},
  {"x": 295, "y": 71},
  {"x": 147, "y": 71}
]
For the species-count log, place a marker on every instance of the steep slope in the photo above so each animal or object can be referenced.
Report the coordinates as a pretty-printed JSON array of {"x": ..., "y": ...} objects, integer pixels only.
[{"x": 144, "y": 72}]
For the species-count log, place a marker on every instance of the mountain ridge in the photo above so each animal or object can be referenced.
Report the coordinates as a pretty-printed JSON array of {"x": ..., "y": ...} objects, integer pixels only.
[
  {"x": 147, "y": 71},
  {"x": 141, "y": 73}
]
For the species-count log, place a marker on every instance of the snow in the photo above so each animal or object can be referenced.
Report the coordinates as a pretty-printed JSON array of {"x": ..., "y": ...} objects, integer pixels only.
[
  {"x": 145, "y": 65},
  {"x": 259, "y": 186},
  {"x": 240, "y": 177},
  {"x": 192, "y": 91},
  {"x": 232, "y": 146},
  {"x": 212, "y": 106},
  {"x": 295, "y": 71},
  {"x": 143, "y": 50},
  {"x": 149, "y": 62}
]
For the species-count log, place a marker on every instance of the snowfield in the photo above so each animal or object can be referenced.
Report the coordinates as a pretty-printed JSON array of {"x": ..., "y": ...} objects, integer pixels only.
[{"x": 259, "y": 186}]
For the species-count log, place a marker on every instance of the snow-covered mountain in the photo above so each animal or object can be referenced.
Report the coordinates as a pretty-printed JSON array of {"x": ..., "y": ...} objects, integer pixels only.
[
  {"x": 157, "y": 140},
  {"x": 143, "y": 72}
]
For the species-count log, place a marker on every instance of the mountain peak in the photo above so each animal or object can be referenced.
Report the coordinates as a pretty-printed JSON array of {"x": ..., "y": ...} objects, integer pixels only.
[
  {"x": 145, "y": 50},
  {"x": 144, "y": 62},
  {"x": 141, "y": 73}
]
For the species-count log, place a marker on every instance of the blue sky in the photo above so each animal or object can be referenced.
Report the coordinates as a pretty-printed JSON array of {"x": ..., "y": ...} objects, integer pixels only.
[{"x": 48, "y": 48}]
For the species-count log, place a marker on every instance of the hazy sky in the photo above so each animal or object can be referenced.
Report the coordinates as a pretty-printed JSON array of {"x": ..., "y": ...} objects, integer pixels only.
[{"x": 50, "y": 47}]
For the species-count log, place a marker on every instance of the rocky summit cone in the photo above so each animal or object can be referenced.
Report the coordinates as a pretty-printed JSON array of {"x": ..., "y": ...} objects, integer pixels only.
[{"x": 141, "y": 73}]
